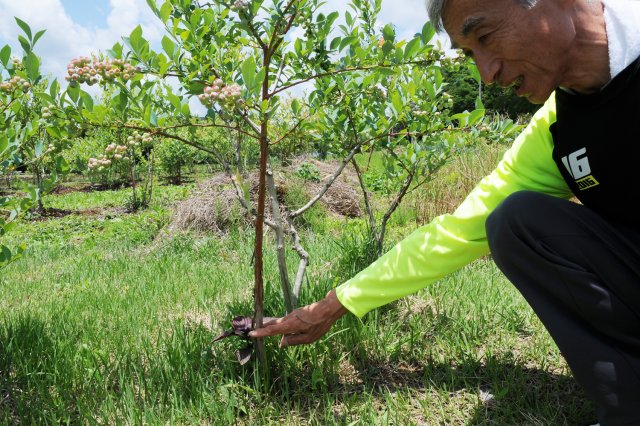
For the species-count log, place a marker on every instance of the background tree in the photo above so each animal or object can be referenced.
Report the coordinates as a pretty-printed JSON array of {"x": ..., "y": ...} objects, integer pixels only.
[{"x": 32, "y": 133}]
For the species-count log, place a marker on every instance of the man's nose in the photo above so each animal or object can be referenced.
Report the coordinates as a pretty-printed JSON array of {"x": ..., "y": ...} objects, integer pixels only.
[{"x": 488, "y": 66}]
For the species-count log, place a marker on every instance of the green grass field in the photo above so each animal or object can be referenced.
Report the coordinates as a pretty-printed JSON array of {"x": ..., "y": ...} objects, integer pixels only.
[{"x": 109, "y": 320}]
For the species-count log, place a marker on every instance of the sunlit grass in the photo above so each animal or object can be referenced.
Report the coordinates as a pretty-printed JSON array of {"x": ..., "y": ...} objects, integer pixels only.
[{"x": 107, "y": 320}]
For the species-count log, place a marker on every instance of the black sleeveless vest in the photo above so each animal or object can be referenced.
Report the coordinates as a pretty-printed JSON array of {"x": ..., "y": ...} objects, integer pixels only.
[{"x": 597, "y": 145}]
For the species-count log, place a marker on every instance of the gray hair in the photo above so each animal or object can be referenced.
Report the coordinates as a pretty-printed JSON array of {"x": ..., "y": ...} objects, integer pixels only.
[{"x": 435, "y": 9}]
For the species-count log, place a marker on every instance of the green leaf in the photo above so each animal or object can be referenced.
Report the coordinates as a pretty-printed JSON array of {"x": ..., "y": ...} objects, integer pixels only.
[
  {"x": 46, "y": 97},
  {"x": 54, "y": 89},
  {"x": 153, "y": 118},
  {"x": 334, "y": 43},
  {"x": 386, "y": 71},
  {"x": 38, "y": 35},
  {"x": 331, "y": 18},
  {"x": 174, "y": 100},
  {"x": 74, "y": 92},
  {"x": 168, "y": 45},
  {"x": 32, "y": 65},
  {"x": 24, "y": 27},
  {"x": 54, "y": 131},
  {"x": 389, "y": 33},
  {"x": 117, "y": 50},
  {"x": 295, "y": 106},
  {"x": 5, "y": 55},
  {"x": 87, "y": 100},
  {"x": 153, "y": 6},
  {"x": 428, "y": 31},
  {"x": 5, "y": 255},
  {"x": 135, "y": 38},
  {"x": 258, "y": 80},
  {"x": 411, "y": 48},
  {"x": 39, "y": 148},
  {"x": 4, "y": 143},
  {"x": 62, "y": 165},
  {"x": 396, "y": 102},
  {"x": 165, "y": 11},
  {"x": 26, "y": 46},
  {"x": 345, "y": 42},
  {"x": 475, "y": 116},
  {"x": 248, "y": 69},
  {"x": 475, "y": 73},
  {"x": 150, "y": 116}
]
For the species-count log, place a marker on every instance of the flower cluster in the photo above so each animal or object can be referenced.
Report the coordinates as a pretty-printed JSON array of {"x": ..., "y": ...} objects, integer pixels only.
[
  {"x": 91, "y": 71},
  {"x": 14, "y": 83},
  {"x": 240, "y": 5},
  {"x": 114, "y": 152},
  {"x": 225, "y": 96}
]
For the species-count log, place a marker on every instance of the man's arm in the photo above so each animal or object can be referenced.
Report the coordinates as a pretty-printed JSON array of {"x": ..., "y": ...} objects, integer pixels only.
[{"x": 435, "y": 250}]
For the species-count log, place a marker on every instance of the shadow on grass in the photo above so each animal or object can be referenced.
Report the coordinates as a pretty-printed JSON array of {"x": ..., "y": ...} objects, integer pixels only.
[
  {"x": 30, "y": 386},
  {"x": 496, "y": 392},
  {"x": 507, "y": 393},
  {"x": 48, "y": 376}
]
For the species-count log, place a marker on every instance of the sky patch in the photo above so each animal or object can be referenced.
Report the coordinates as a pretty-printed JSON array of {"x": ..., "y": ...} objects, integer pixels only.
[{"x": 89, "y": 13}]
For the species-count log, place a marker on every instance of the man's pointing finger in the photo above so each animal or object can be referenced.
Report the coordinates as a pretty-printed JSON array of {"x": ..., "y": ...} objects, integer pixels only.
[{"x": 277, "y": 327}]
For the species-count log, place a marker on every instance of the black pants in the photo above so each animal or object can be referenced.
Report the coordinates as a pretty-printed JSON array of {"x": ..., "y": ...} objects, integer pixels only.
[{"x": 581, "y": 275}]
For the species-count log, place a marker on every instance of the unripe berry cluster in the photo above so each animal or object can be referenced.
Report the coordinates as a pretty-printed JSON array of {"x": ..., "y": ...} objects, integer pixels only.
[
  {"x": 114, "y": 152},
  {"x": 46, "y": 112},
  {"x": 14, "y": 83},
  {"x": 448, "y": 99},
  {"x": 17, "y": 63},
  {"x": 225, "y": 96},
  {"x": 381, "y": 90},
  {"x": 240, "y": 5},
  {"x": 139, "y": 139},
  {"x": 85, "y": 70},
  {"x": 99, "y": 163}
]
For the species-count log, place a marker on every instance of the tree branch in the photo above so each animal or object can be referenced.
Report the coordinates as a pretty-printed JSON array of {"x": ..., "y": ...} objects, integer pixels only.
[{"x": 343, "y": 71}]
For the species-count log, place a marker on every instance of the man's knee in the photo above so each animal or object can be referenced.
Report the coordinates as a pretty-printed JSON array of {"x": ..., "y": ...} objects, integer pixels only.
[{"x": 516, "y": 211}]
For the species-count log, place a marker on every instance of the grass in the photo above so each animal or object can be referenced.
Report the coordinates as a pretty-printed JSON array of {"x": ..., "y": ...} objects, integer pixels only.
[{"x": 106, "y": 320}]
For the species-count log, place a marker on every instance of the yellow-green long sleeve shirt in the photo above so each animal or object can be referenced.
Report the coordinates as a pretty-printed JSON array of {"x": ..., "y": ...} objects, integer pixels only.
[{"x": 452, "y": 241}]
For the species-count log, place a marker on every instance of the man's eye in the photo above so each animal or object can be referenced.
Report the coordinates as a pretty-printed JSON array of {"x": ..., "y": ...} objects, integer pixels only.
[{"x": 483, "y": 39}]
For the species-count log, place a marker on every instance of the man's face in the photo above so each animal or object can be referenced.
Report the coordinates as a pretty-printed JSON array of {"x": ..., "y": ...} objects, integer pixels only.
[{"x": 513, "y": 46}]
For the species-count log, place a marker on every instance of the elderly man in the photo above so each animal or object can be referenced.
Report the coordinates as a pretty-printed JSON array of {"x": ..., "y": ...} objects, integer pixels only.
[{"x": 577, "y": 264}]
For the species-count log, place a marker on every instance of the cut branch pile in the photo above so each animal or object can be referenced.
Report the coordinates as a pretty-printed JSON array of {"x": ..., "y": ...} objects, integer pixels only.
[{"x": 214, "y": 205}]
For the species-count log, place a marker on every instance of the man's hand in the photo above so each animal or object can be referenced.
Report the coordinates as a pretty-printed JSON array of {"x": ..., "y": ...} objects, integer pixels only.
[{"x": 306, "y": 324}]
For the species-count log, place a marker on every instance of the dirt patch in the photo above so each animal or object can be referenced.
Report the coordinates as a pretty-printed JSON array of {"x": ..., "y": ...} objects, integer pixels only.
[
  {"x": 214, "y": 206},
  {"x": 62, "y": 189},
  {"x": 51, "y": 213},
  {"x": 342, "y": 197}
]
